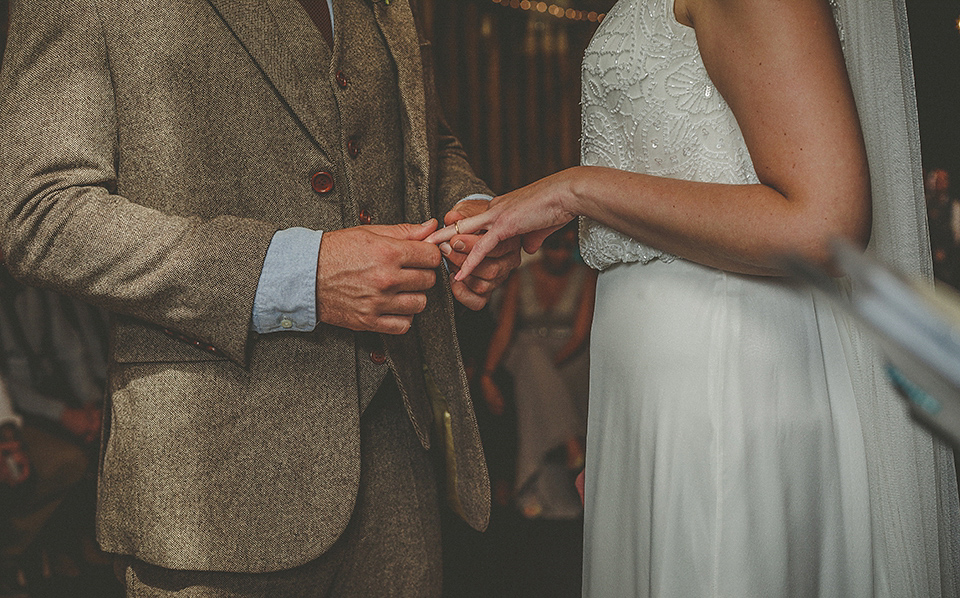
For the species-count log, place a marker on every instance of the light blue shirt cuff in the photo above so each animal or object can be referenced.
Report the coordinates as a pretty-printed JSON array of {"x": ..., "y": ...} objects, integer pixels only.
[{"x": 286, "y": 299}]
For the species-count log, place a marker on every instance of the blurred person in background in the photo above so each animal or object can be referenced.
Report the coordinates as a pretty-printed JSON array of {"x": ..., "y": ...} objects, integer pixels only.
[
  {"x": 14, "y": 473},
  {"x": 52, "y": 355},
  {"x": 54, "y": 351}
]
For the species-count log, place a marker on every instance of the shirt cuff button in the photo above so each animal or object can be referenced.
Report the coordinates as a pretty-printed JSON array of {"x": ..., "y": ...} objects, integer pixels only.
[{"x": 286, "y": 323}]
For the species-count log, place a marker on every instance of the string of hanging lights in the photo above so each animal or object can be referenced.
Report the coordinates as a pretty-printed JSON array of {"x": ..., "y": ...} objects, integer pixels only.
[{"x": 554, "y": 10}]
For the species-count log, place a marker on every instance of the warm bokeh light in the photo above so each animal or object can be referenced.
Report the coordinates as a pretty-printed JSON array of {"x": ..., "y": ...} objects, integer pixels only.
[{"x": 553, "y": 10}]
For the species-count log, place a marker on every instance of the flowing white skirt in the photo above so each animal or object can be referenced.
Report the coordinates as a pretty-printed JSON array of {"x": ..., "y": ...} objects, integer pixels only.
[{"x": 725, "y": 455}]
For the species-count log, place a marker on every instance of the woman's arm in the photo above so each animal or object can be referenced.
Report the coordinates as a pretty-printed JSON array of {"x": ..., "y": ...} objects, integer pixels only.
[
  {"x": 505, "y": 323},
  {"x": 780, "y": 68},
  {"x": 499, "y": 343}
]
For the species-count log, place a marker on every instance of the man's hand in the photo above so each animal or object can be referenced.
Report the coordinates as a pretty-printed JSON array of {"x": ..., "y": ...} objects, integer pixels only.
[
  {"x": 373, "y": 278},
  {"x": 474, "y": 291}
]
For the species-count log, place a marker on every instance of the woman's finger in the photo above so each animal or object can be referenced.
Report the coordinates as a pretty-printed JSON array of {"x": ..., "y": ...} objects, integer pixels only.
[
  {"x": 441, "y": 236},
  {"x": 485, "y": 245},
  {"x": 465, "y": 226}
]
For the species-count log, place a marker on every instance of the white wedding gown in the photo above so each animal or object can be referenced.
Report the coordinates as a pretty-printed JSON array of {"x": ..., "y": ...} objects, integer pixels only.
[{"x": 729, "y": 453}]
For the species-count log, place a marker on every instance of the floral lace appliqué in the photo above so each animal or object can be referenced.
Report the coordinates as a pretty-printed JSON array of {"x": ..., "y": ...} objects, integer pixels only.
[{"x": 649, "y": 106}]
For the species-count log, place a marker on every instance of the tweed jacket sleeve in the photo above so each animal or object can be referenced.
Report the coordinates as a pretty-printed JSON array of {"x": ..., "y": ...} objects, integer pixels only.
[
  {"x": 68, "y": 225},
  {"x": 455, "y": 178}
]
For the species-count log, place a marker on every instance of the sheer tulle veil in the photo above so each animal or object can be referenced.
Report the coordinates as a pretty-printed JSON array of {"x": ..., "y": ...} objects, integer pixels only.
[{"x": 914, "y": 505}]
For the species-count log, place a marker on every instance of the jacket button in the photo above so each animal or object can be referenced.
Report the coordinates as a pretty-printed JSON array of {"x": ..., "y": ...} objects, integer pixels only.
[
  {"x": 353, "y": 148},
  {"x": 342, "y": 80},
  {"x": 365, "y": 217},
  {"x": 322, "y": 182},
  {"x": 378, "y": 357}
]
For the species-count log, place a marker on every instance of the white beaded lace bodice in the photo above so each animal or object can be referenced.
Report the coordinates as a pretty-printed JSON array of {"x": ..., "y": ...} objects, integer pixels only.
[{"x": 649, "y": 106}]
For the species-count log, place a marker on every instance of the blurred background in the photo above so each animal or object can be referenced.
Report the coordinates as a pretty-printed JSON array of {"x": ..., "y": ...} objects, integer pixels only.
[{"x": 508, "y": 76}]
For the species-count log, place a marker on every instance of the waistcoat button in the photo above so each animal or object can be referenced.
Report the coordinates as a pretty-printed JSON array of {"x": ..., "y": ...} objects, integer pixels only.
[
  {"x": 353, "y": 148},
  {"x": 342, "y": 80},
  {"x": 378, "y": 357},
  {"x": 365, "y": 217},
  {"x": 322, "y": 182}
]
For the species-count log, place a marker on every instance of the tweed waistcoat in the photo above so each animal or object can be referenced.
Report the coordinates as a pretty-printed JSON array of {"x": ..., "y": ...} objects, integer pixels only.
[{"x": 371, "y": 147}]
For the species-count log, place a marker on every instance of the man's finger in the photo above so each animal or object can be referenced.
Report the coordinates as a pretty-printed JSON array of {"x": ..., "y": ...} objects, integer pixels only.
[
  {"x": 476, "y": 284},
  {"x": 452, "y": 216},
  {"x": 479, "y": 286},
  {"x": 494, "y": 267},
  {"x": 491, "y": 269},
  {"x": 466, "y": 209},
  {"x": 405, "y": 231},
  {"x": 405, "y": 304},
  {"x": 392, "y": 324},
  {"x": 465, "y": 296},
  {"x": 417, "y": 254},
  {"x": 414, "y": 279},
  {"x": 464, "y": 244}
]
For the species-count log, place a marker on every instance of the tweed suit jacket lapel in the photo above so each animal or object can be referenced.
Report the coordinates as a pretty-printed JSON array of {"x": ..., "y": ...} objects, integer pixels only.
[
  {"x": 286, "y": 63},
  {"x": 397, "y": 25}
]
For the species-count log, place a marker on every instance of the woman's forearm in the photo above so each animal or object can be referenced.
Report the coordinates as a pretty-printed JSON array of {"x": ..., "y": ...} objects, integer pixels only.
[{"x": 742, "y": 228}]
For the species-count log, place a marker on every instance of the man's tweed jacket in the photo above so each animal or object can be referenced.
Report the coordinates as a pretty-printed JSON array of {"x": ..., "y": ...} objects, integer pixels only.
[{"x": 149, "y": 149}]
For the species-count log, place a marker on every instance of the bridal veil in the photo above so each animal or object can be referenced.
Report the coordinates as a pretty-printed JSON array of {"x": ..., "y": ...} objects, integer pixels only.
[{"x": 914, "y": 504}]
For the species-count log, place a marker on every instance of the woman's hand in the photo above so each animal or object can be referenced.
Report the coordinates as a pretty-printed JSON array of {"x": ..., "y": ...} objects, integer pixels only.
[
  {"x": 531, "y": 212},
  {"x": 566, "y": 352},
  {"x": 492, "y": 394},
  {"x": 84, "y": 423}
]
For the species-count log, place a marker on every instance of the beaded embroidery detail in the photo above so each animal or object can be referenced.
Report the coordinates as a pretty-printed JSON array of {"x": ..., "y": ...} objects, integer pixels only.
[
  {"x": 835, "y": 7},
  {"x": 649, "y": 106}
]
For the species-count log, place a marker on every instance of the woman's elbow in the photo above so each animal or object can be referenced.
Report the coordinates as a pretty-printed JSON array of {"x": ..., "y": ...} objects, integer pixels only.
[{"x": 851, "y": 225}]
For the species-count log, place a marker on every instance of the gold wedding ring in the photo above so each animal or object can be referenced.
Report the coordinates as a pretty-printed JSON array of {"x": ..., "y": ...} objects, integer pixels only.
[{"x": 456, "y": 225}]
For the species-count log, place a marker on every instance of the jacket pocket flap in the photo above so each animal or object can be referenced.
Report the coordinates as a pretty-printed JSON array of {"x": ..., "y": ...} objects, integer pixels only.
[{"x": 133, "y": 341}]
